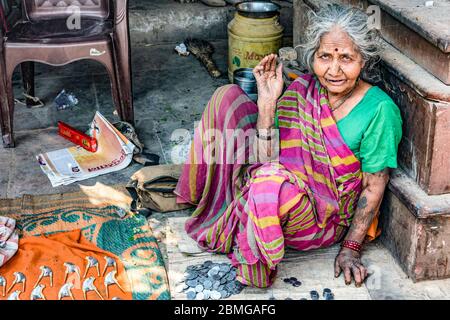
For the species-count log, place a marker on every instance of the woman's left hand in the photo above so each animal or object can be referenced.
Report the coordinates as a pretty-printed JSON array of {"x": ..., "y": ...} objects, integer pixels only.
[{"x": 349, "y": 261}]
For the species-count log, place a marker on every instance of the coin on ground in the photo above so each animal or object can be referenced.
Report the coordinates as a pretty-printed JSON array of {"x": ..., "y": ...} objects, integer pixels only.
[
  {"x": 215, "y": 295},
  {"x": 191, "y": 294},
  {"x": 199, "y": 288},
  {"x": 200, "y": 296}
]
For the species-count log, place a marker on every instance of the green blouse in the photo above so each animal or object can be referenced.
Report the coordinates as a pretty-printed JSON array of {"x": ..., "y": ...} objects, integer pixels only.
[{"x": 372, "y": 130}]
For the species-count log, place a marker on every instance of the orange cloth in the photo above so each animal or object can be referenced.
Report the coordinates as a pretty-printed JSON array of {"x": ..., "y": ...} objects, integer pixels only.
[
  {"x": 53, "y": 251},
  {"x": 374, "y": 231}
]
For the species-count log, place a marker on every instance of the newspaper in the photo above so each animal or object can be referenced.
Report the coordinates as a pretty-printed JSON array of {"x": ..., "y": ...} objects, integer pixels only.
[{"x": 69, "y": 165}]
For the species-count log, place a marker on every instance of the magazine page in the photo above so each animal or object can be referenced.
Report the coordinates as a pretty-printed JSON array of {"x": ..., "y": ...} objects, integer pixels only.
[{"x": 72, "y": 164}]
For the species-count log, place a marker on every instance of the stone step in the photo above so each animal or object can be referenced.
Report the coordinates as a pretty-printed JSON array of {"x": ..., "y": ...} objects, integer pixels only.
[
  {"x": 424, "y": 104},
  {"x": 422, "y": 33},
  {"x": 168, "y": 21},
  {"x": 430, "y": 22},
  {"x": 416, "y": 228}
]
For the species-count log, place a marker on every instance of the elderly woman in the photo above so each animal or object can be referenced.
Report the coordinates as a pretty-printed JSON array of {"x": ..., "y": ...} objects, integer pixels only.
[{"x": 327, "y": 144}]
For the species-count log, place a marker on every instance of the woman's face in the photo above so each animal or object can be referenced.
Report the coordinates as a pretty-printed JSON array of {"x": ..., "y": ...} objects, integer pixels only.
[{"x": 337, "y": 63}]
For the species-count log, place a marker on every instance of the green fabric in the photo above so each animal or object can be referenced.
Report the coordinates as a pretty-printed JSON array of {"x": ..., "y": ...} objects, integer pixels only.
[{"x": 372, "y": 130}]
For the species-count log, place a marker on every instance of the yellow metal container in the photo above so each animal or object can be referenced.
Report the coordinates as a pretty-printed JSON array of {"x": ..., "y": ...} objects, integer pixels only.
[{"x": 250, "y": 40}]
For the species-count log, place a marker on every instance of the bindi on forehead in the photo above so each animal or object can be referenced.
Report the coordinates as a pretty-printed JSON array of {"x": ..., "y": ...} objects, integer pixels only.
[
  {"x": 337, "y": 41},
  {"x": 338, "y": 49}
]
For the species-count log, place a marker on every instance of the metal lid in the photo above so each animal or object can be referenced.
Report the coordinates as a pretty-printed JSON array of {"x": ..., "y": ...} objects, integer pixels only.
[
  {"x": 258, "y": 9},
  {"x": 233, "y": 2}
]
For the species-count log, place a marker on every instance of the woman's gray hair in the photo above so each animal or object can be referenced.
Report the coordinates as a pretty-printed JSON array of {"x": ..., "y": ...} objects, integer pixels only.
[{"x": 351, "y": 20}]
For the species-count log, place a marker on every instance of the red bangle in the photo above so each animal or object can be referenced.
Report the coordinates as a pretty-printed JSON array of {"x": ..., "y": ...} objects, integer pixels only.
[{"x": 353, "y": 245}]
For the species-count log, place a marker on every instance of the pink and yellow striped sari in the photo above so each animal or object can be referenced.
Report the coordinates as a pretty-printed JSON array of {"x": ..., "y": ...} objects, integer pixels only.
[{"x": 305, "y": 200}]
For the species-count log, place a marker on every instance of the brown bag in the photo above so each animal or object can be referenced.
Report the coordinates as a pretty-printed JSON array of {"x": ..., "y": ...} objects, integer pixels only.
[{"x": 152, "y": 189}]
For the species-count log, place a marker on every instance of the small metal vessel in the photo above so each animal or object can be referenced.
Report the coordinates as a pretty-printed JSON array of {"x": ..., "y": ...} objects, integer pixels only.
[{"x": 245, "y": 79}]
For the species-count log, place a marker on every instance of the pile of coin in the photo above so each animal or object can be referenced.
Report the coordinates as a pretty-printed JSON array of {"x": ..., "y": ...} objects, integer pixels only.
[{"x": 210, "y": 280}]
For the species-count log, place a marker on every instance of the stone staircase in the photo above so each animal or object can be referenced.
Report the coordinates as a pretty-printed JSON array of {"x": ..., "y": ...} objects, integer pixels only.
[{"x": 415, "y": 70}]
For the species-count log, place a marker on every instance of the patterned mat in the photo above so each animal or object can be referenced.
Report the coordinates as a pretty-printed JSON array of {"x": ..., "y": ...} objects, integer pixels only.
[{"x": 97, "y": 212}]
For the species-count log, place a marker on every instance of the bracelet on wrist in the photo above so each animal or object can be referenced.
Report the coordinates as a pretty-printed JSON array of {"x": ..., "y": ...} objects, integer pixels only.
[
  {"x": 353, "y": 245},
  {"x": 266, "y": 138},
  {"x": 263, "y": 136}
]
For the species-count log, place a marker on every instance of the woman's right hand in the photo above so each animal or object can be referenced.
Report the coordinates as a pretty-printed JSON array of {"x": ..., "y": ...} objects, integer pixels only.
[{"x": 269, "y": 79}]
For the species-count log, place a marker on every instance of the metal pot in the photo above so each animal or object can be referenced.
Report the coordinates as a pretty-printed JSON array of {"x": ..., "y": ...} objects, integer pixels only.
[
  {"x": 245, "y": 79},
  {"x": 258, "y": 9}
]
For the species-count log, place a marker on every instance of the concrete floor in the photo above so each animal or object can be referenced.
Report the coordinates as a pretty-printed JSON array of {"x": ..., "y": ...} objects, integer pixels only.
[
  {"x": 170, "y": 93},
  {"x": 314, "y": 269}
]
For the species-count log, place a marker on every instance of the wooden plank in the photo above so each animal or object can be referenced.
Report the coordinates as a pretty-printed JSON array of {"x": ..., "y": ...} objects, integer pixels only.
[{"x": 314, "y": 269}]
